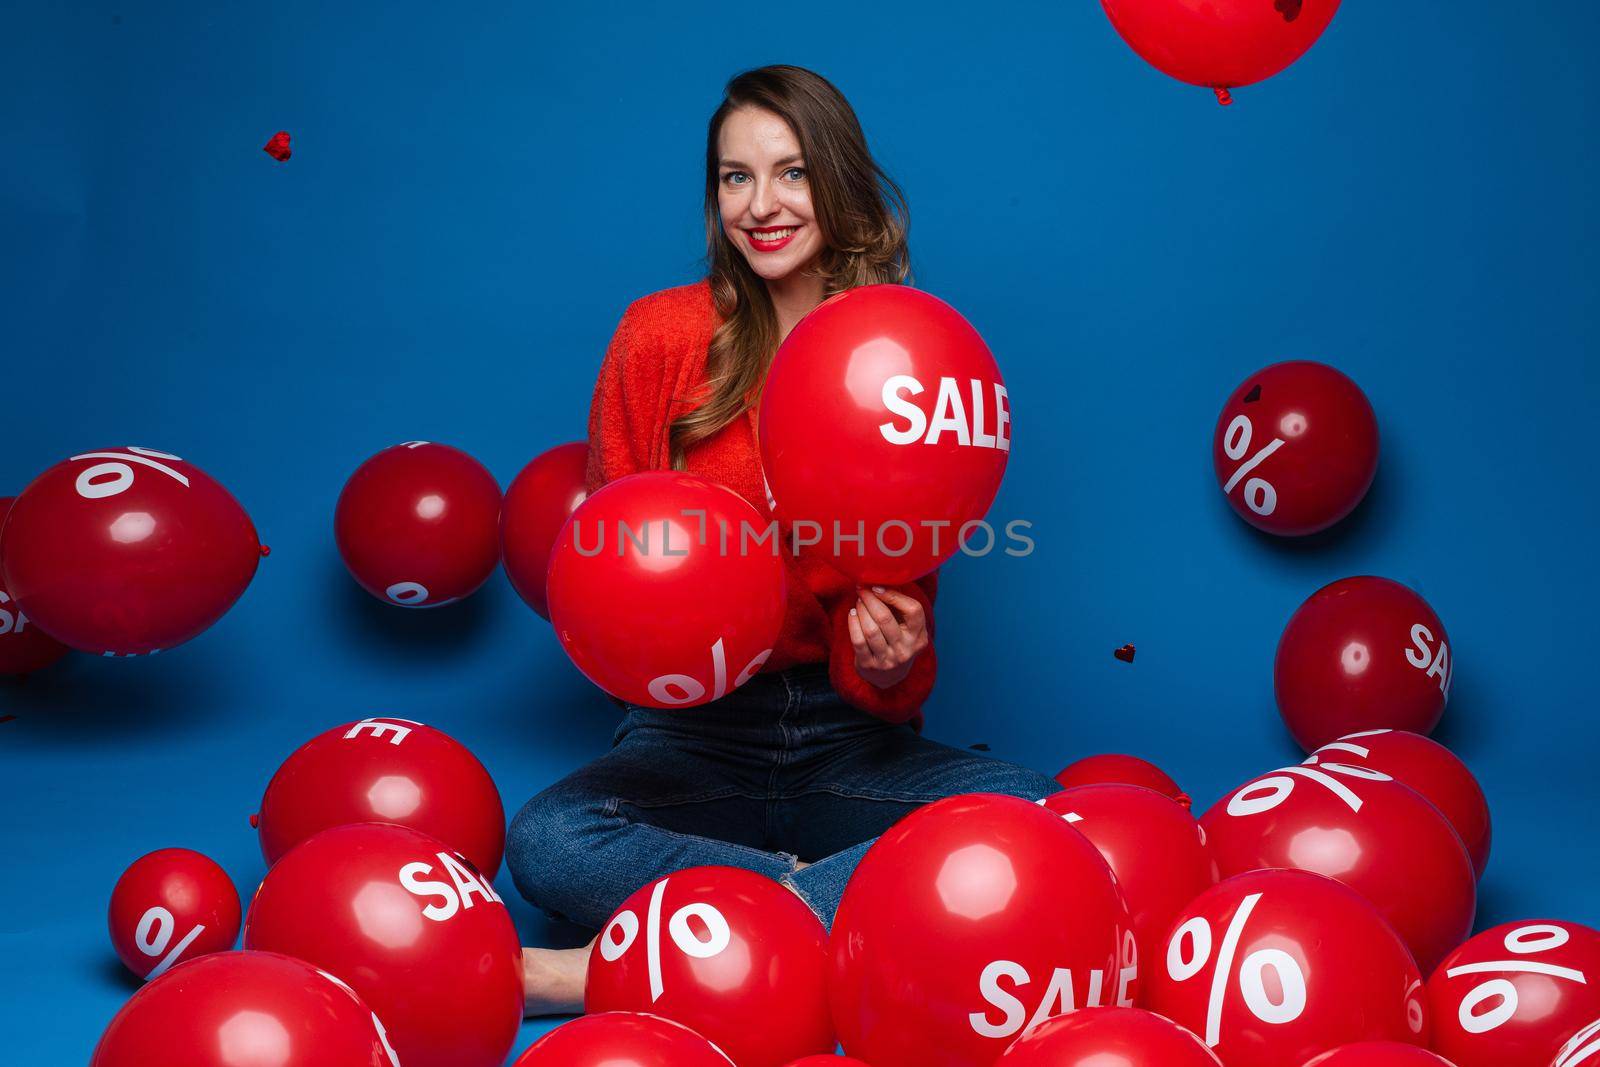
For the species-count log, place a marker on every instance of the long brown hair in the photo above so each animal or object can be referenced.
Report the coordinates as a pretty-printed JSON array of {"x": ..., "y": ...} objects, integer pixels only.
[{"x": 863, "y": 220}]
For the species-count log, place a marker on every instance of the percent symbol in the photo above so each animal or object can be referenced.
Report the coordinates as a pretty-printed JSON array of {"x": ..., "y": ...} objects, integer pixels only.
[
  {"x": 685, "y": 689},
  {"x": 1251, "y": 976},
  {"x": 1523, "y": 941},
  {"x": 158, "y": 921},
  {"x": 118, "y": 475},
  {"x": 1280, "y": 784},
  {"x": 1260, "y": 496},
  {"x": 626, "y": 924}
]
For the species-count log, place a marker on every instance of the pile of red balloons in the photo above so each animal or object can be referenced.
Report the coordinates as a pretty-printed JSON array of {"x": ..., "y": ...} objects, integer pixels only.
[{"x": 121, "y": 551}]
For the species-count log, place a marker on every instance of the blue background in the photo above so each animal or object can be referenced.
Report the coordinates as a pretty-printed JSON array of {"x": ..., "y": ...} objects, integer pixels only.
[{"x": 473, "y": 199}]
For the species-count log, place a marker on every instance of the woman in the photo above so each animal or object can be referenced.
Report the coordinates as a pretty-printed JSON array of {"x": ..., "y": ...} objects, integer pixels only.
[{"x": 794, "y": 773}]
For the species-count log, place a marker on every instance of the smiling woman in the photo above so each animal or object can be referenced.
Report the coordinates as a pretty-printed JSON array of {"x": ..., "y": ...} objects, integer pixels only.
[{"x": 792, "y": 774}]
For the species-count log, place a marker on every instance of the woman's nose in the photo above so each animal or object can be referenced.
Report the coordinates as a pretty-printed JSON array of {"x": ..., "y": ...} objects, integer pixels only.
[{"x": 765, "y": 202}]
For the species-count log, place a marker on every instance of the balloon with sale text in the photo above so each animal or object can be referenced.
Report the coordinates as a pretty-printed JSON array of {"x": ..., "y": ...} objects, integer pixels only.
[{"x": 884, "y": 417}]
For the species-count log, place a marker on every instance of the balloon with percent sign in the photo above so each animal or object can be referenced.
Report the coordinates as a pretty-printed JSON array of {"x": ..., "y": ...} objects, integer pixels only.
[
  {"x": 623, "y": 1039},
  {"x": 1360, "y": 826},
  {"x": 1515, "y": 992},
  {"x": 884, "y": 417},
  {"x": 24, "y": 648},
  {"x": 126, "y": 551},
  {"x": 385, "y": 770},
  {"x": 1272, "y": 967},
  {"x": 1113, "y": 767},
  {"x": 1430, "y": 769},
  {"x": 171, "y": 905},
  {"x": 1155, "y": 848},
  {"x": 968, "y": 921},
  {"x": 1296, "y": 448},
  {"x": 1220, "y": 44},
  {"x": 418, "y": 525},
  {"x": 1108, "y": 1037},
  {"x": 541, "y": 497},
  {"x": 731, "y": 954},
  {"x": 1361, "y": 654},
  {"x": 1379, "y": 1054},
  {"x": 416, "y": 931},
  {"x": 245, "y": 1009},
  {"x": 659, "y": 595},
  {"x": 1582, "y": 1048}
]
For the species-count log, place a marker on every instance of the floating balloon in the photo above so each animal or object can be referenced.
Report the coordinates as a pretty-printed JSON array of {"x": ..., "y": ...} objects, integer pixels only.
[
  {"x": 126, "y": 552},
  {"x": 1378, "y": 1054},
  {"x": 1514, "y": 993},
  {"x": 537, "y": 505},
  {"x": 659, "y": 596},
  {"x": 1296, "y": 448},
  {"x": 1155, "y": 848},
  {"x": 1362, "y": 654},
  {"x": 1430, "y": 769},
  {"x": 171, "y": 905},
  {"x": 969, "y": 920},
  {"x": 1126, "y": 770},
  {"x": 418, "y": 934},
  {"x": 884, "y": 418},
  {"x": 1221, "y": 44},
  {"x": 1272, "y": 967},
  {"x": 245, "y": 1009},
  {"x": 732, "y": 955},
  {"x": 1108, "y": 1037},
  {"x": 1360, "y": 826},
  {"x": 622, "y": 1039},
  {"x": 418, "y": 524},
  {"x": 385, "y": 770},
  {"x": 24, "y": 648}
]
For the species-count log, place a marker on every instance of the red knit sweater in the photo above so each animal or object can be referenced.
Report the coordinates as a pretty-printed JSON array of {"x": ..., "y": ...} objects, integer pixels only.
[{"x": 654, "y": 371}]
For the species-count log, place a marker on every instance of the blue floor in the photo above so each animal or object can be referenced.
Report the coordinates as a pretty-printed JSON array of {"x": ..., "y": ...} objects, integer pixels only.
[{"x": 472, "y": 201}]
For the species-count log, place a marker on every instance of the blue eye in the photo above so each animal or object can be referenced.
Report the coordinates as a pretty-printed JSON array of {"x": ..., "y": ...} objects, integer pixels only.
[
  {"x": 732, "y": 174},
  {"x": 796, "y": 170}
]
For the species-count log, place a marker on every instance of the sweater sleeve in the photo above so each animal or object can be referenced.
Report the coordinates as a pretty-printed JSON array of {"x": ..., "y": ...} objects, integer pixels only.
[
  {"x": 898, "y": 703},
  {"x": 628, "y": 427}
]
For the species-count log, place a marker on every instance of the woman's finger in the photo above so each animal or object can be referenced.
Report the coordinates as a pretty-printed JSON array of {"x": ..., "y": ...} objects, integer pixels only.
[
  {"x": 880, "y": 613},
  {"x": 909, "y": 608},
  {"x": 857, "y": 638},
  {"x": 871, "y": 630}
]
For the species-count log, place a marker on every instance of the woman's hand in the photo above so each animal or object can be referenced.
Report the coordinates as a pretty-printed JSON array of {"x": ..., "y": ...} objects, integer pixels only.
[{"x": 889, "y": 630}]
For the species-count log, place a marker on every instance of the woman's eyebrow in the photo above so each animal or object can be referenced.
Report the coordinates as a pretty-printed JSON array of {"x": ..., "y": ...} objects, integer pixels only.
[{"x": 780, "y": 163}]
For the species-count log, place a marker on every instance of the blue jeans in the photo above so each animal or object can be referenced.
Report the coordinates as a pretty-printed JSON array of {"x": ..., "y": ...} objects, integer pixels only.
[{"x": 778, "y": 771}]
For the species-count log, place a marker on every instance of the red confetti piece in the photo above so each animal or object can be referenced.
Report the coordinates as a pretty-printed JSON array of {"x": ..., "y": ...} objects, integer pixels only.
[
  {"x": 1125, "y": 653},
  {"x": 278, "y": 147}
]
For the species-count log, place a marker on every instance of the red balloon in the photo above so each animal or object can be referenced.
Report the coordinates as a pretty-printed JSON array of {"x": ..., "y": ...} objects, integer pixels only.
[
  {"x": 1155, "y": 848},
  {"x": 126, "y": 552},
  {"x": 1272, "y": 967},
  {"x": 657, "y": 594},
  {"x": 884, "y": 417},
  {"x": 1220, "y": 44},
  {"x": 1582, "y": 1048},
  {"x": 1108, "y": 1037},
  {"x": 828, "y": 1061},
  {"x": 1127, "y": 770},
  {"x": 418, "y": 933},
  {"x": 1378, "y": 1054},
  {"x": 968, "y": 920},
  {"x": 24, "y": 648},
  {"x": 1514, "y": 993},
  {"x": 537, "y": 505},
  {"x": 1362, "y": 654},
  {"x": 419, "y": 524},
  {"x": 1296, "y": 448},
  {"x": 1360, "y": 826},
  {"x": 622, "y": 1039},
  {"x": 1430, "y": 769},
  {"x": 171, "y": 905},
  {"x": 245, "y": 1009},
  {"x": 728, "y": 953},
  {"x": 385, "y": 770}
]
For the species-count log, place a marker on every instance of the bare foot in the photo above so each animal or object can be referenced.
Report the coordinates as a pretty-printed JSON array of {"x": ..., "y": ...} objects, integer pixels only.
[{"x": 553, "y": 980}]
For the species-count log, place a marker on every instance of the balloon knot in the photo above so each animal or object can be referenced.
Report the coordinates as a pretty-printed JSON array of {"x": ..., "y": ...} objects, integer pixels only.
[
  {"x": 1223, "y": 96},
  {"x": 265, "y": 551},
  {"x": 255, "y": 820}
]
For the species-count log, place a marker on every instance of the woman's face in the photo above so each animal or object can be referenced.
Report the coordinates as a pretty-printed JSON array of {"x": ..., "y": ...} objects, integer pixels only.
[{"x": 763, "y": 194}]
